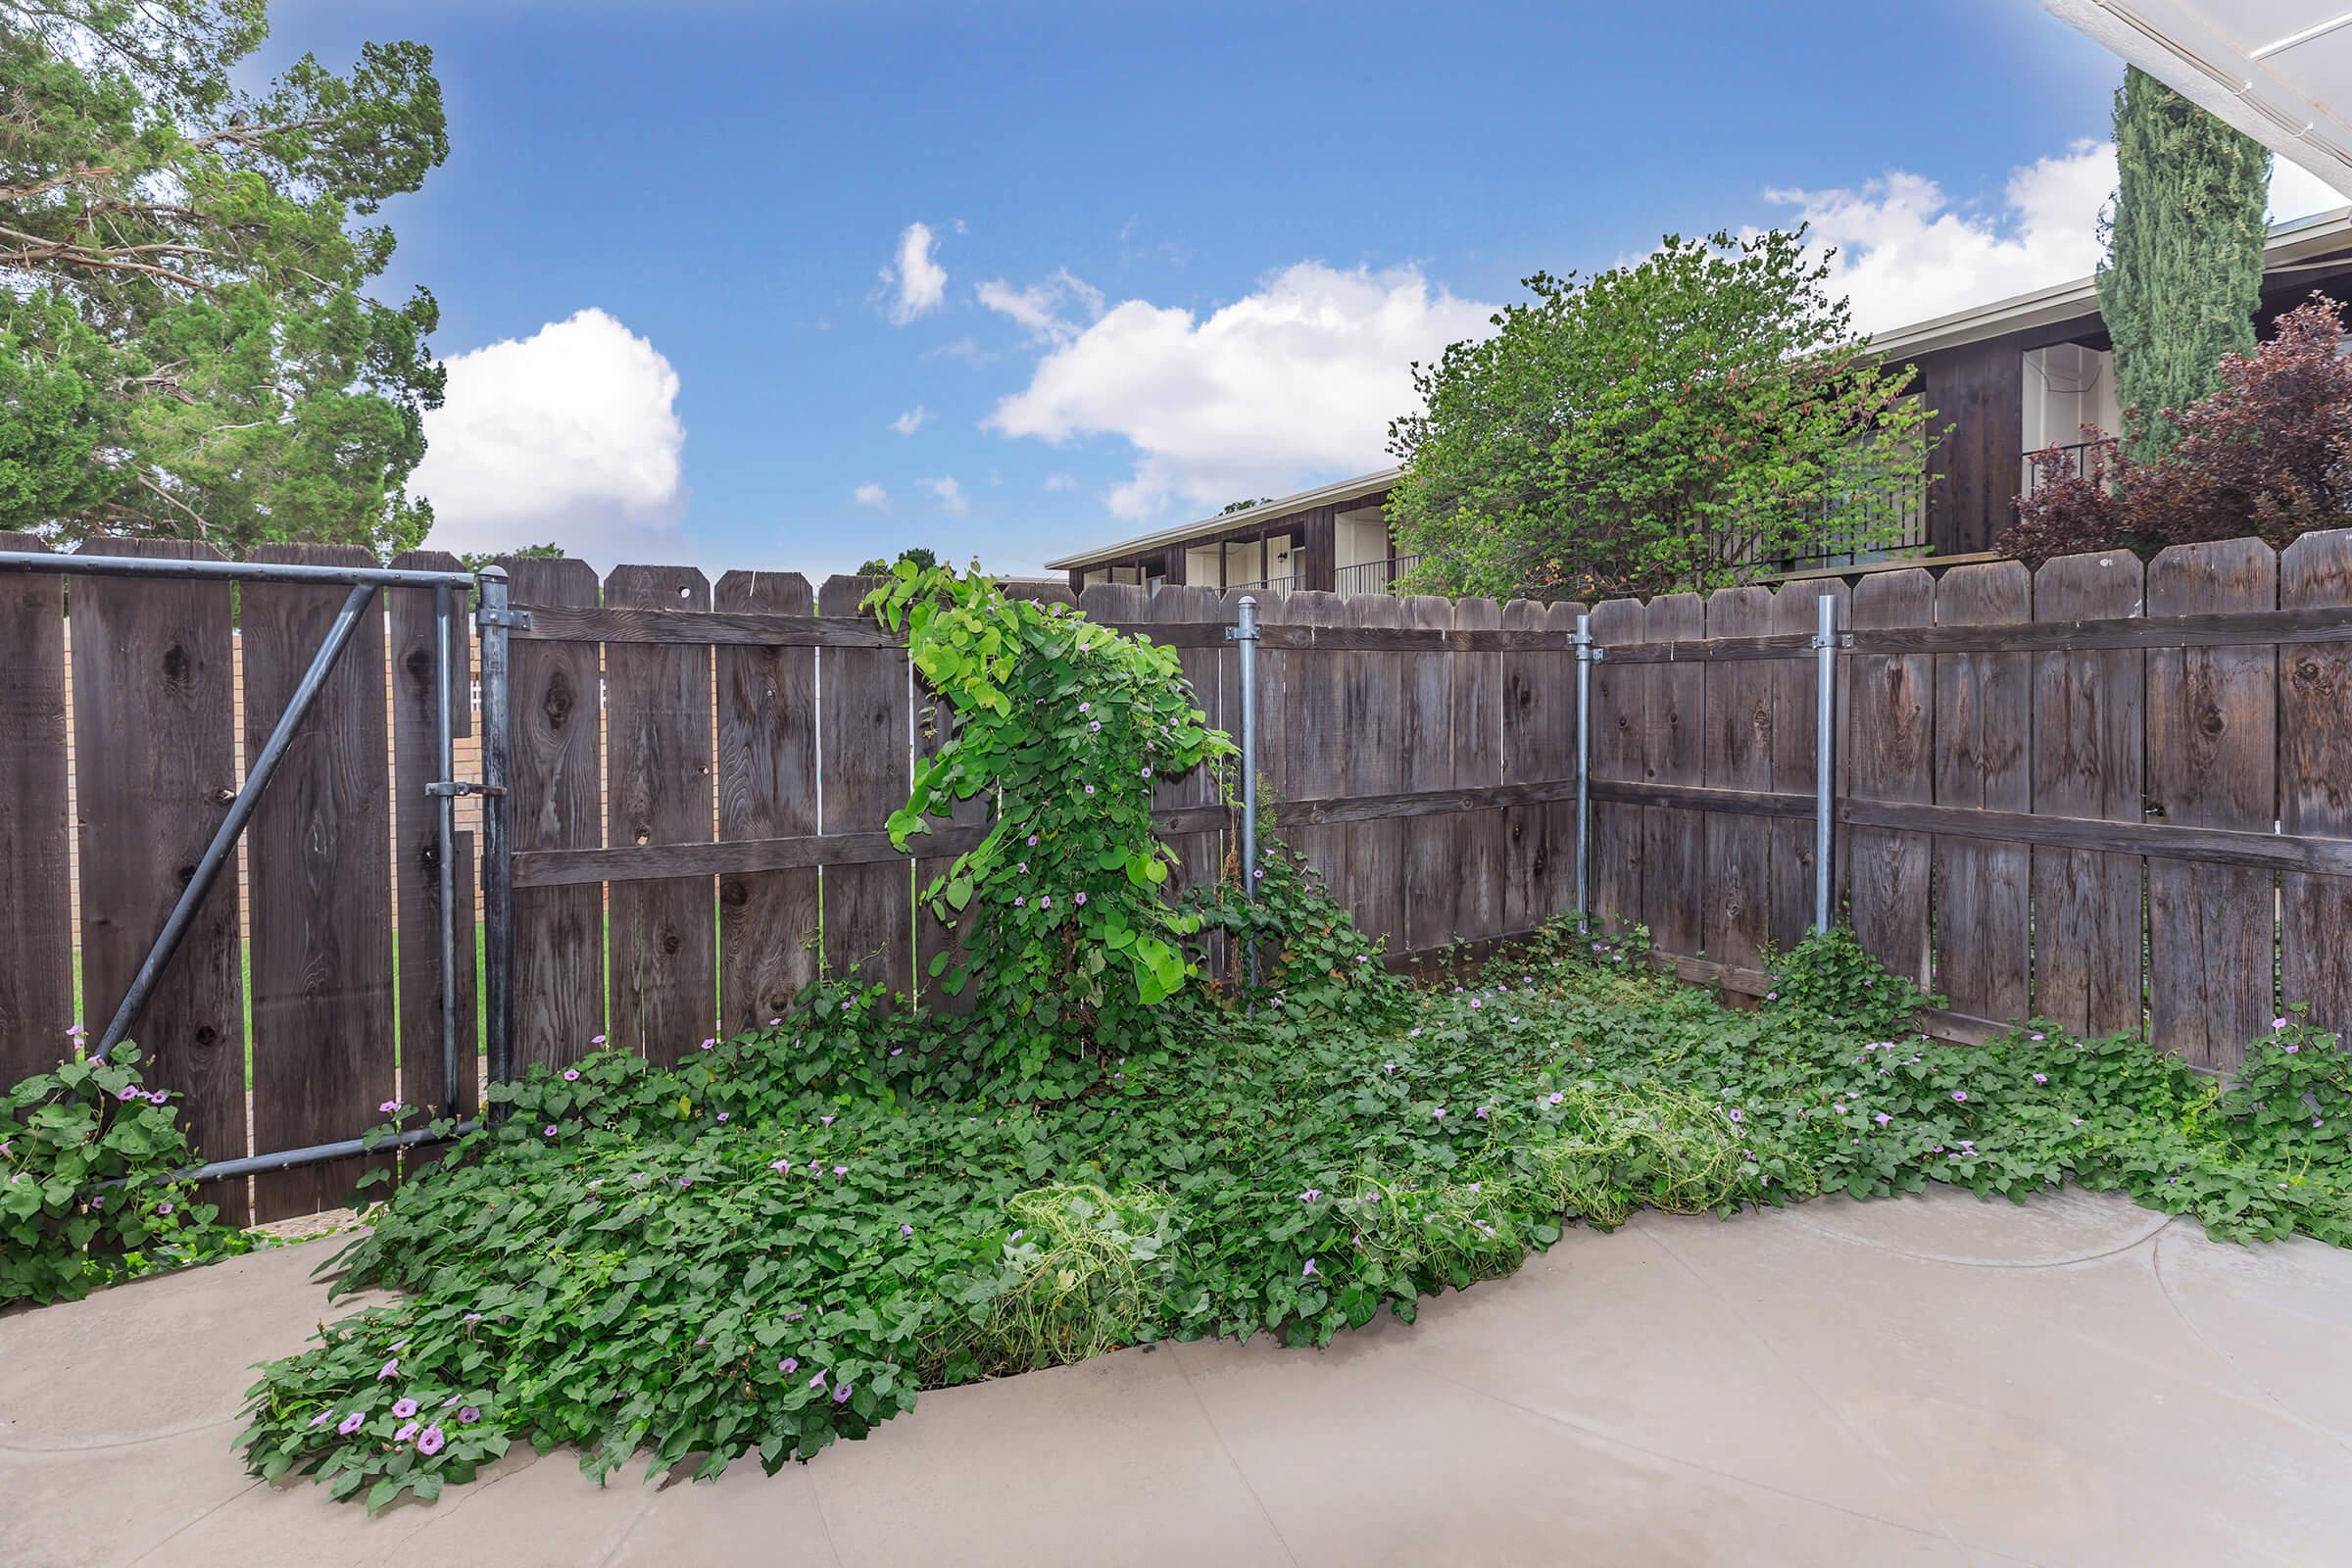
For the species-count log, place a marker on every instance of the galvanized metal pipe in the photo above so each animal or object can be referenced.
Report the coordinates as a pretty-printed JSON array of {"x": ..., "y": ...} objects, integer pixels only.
[
  {"x": 288, "y": 1158},
  {"x": 1825, "y": 679},
  {"x": 445, "y": 833},
  {"x": 1583, "y": 768},
  {"x": 230, "y": 570},
  {"x": 240, "y": 812},
  {"x": 1244, "y": 634},
  {"x": 498, "y": 867}
]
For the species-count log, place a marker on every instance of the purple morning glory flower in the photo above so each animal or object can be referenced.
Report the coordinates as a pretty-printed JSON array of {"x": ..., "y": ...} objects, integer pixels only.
[
  {"x": 596, "y": 1040},
  {"x": 1960, "y": 1094},
  {"x": 389, "y": 1371},
  {"x": 350, "y": 1423},
  {"x": 1882, "y": 1119},
  {"x": 572, "y": 1075},
  {"x": 1438, "y": 1114},
  {"x": 817, "y": 1382},
  {"x": 1310, "y": 1194},
  {"x": 1738, "y": 1115},
  {"x": 790, "y": 1363},
  {"x": 841, "y": 1396},
  {"x": 429, "y": 1441},
  {"x": 322, "y": 1418},
  {"x": 827, "y": 1120},
  {"x": 1555, "y": 1098},
  {"x": 2041, "y": 1077},
  {"x": 404, "y": 1408},
  {"x": 388, "y": 1108},
  {"x": 1046, "y": 901},
  {"x": 905, "y": 1230},
  {"x": 722, "y": 1115},
  {"x": 707, "y": 1045},
  {"x": 406, "y": 1433},
  {"x": 128, "y": 1094},
  {"x": 1082, "y": 897},
  {"x": 471, "y": 1414},
  {"x": 1308, "y": 1272},
  {"x": 2277, "y": 1023}
]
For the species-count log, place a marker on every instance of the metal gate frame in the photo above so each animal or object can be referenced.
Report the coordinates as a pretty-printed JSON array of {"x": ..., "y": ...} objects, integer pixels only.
[{"x": 365, "y": 582}]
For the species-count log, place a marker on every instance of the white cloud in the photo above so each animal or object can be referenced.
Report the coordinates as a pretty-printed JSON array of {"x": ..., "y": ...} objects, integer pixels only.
[
  {"x": 951, "y": 499},
  {"x": 1040, "y": 307},
  {"x": 569, "y": 435},
  {"x": 921, "y": 282},
  {"x": 2297, "y": 192},
  {"x": 911, "y": 421},
  {"x": 1907, "y": 253},
  {"x": 872, "y": 495},
  {"x": 1294, "y": 382},
  {"x": 1061, "y": 481}
]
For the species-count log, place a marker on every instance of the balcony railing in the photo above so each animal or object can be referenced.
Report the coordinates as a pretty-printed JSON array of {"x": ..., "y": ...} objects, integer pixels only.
[
  {"x": 2075, "y": 461},
  {"x": 1280, "y": 585},
  {"x": 1373, "y": 576},
  {"x": 1890, "y": 526}
]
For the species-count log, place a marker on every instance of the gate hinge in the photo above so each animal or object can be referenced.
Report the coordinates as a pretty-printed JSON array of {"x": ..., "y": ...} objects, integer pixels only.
[
  {"x": 512, "y": 618},
  {"x": 1591, "y": 652},
  {"x": 1235, "y": 634},
  {"x": 462, "y": 786}
]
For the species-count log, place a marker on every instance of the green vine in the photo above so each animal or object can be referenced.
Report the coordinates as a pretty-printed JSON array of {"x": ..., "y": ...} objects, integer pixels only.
[{"x": 1067, "y": 725}]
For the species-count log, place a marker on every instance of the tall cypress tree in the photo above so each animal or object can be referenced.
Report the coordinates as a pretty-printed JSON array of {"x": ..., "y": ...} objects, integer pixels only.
[{"x": 2182, "y": 276}]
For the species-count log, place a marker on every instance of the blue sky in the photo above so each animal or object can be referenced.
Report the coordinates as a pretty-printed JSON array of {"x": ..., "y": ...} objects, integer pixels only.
[{"x": 1168, "y": 254}]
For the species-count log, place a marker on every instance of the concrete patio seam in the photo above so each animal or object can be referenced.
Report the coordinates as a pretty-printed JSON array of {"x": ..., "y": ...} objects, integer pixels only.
[
  {"x": 2145, "y": 1239},
  {"x": 1240, "y": 1474},
  {"x": 1829, "y": 1406},
  {"x": 2271, "y": 1400}
]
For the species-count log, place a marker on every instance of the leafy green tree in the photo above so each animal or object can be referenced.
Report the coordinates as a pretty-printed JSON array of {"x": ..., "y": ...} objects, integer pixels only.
[
  {"x": 186, "y": 340},
  {"x": 1667, "y": 424},
  {"x": 2182, "y": 275}
]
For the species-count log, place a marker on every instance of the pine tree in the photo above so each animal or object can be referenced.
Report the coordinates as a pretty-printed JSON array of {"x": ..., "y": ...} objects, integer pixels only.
[{"x": 2182, "y": 276}]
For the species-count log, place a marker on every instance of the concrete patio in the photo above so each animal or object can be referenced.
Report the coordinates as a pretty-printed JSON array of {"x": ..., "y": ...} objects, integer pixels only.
[{"x": 1932, "y": 1381}]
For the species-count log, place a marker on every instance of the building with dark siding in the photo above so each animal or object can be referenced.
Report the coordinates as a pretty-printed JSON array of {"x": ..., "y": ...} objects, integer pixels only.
[{"x": 2005, "y": 380}]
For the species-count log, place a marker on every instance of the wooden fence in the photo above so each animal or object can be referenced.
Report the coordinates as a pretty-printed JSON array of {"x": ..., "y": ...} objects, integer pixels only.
[{"x": 2115, "y": 797}]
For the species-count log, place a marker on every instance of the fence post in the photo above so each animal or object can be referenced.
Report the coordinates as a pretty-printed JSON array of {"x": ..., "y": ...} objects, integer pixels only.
[
  {"x": 1825, "y": 677},
  {"x": 1244, "y": 636},
  {"x": 1586, "y": 653},
  {"x": 445, "y": 834},
  {"x": 494, "y": 618}
]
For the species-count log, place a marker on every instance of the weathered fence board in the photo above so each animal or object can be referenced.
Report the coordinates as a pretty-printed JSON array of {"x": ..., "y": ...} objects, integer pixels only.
[
  {"x": 1981, "y": 732},
  {"x": 155, "y": 766},
  {"x": 2211, "y": 762},
  {"x": 557, "y": 706},
  {"x": 868, "y": 909},
  {"x": 417, "y": 844},
  {"x": 1429, "y": 870},
  {"x": 2315, "y": 778},
  {"x": 768, "y": 728},
  {"x": 1479, "y": 844},
  {"x": 1893, "y": 727},
  {"x": 324, "y": 1056},
  {"x": 2089, "y": 730},
  {"x": 658, "y": 790},
  {"x": 1674, "y": 840},
  {"x": 1738, "y": 757},
  {"x": 36, "y": 936},
  {"x": 1619, "y": 724}
]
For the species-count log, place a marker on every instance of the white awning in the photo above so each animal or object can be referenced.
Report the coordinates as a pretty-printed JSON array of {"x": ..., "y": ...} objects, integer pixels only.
[{"x": 2281, "y": 70}]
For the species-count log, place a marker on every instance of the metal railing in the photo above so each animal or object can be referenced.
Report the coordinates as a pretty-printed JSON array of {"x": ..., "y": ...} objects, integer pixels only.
[
  {"x": 1280, "y": 585},
  {"x": 2073, "y": 458},
  {"x": 1373, "y": 576}
]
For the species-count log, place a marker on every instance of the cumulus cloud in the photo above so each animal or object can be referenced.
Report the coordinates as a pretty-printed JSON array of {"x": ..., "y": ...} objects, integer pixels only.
[
  {"x": 919, "y": 284},
  {"x": 571, "y": 434},
  {"x": 1061, "y": 481},
  {"x": 951, "y": 496},
  {"x": 1294, "y": 382},
  {"x": 1043, "y": 308},
  {"x": 1907, "y": 253},
  {"x": 911, "y": 421},
  {"x": 872, "y": 495}
]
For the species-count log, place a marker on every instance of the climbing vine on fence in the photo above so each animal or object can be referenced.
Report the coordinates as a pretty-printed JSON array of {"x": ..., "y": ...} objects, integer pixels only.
[{"x": 1067, "y": 725}]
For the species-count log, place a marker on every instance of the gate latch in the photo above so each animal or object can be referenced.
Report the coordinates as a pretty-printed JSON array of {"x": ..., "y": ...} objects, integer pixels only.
[{"x": 462, "y": 786}]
